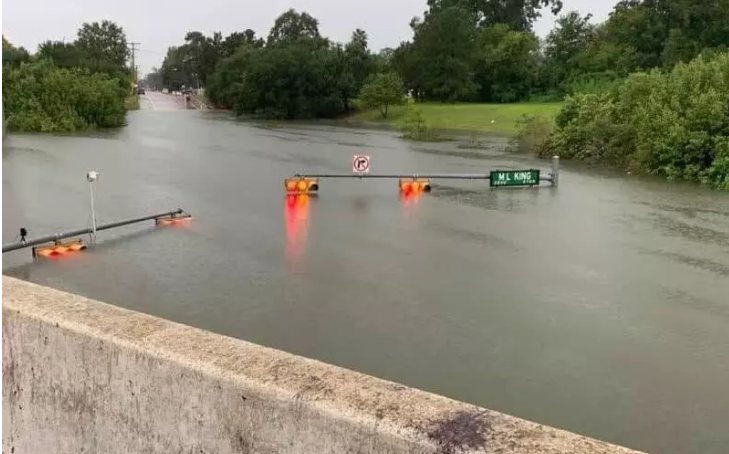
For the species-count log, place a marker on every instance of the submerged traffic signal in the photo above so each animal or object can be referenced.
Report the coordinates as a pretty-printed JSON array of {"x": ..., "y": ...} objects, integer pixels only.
[
  {"x": 173, "y": 219},
  {"x": 301, "y": 185},
  {"x": 414, "y": 185},
  {"x": 59, "y": 249}
]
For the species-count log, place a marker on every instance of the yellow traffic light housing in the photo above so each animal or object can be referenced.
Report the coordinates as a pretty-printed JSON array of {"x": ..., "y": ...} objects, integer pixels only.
[
  {"x": 301, "y": 185},
  {"x": 414, "y": 185},
  {"x": 59, "y": 249}
]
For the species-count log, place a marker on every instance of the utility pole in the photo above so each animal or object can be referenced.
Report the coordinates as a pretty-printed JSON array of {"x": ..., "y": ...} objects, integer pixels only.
[{"x": 133, "y": 49}]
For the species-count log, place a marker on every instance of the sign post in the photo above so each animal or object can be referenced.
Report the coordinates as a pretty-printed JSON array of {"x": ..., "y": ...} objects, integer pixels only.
[
  {"x": 360, "y": 164},
  {"x": 514, "y": 177}
]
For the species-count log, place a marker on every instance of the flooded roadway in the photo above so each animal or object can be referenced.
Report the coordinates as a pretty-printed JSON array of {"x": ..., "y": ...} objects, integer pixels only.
[{"x": 601, "y": 307}]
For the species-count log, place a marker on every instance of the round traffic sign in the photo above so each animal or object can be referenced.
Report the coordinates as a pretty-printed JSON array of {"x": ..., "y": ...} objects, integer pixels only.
[{"x": 360, "y": 163}]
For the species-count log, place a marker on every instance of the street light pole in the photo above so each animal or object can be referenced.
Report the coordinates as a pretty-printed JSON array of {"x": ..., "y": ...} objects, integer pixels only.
[{"x": 91, "y": 176}]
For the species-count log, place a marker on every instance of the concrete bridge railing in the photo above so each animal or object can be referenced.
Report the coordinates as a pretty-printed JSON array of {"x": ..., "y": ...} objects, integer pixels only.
[{"x": 84, "y": 376}]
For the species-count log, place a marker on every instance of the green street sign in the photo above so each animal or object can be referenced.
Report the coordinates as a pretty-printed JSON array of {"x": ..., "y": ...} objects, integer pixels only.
[{"x": 514, "y": 177}]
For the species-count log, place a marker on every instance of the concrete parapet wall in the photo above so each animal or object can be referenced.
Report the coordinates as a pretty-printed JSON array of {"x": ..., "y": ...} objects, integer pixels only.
[{"x": 80, "y": 376}]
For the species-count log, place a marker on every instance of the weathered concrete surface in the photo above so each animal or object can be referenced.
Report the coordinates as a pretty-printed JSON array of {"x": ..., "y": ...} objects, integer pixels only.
[{"x": 84, "y": 376}]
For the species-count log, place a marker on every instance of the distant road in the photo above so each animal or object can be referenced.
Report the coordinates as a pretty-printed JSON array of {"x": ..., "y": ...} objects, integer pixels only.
[{"x": 160, "y": 101}]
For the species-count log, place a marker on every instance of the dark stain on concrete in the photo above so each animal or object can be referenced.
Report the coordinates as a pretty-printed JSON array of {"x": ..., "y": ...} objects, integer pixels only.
[{"x": 465, "y": 430}]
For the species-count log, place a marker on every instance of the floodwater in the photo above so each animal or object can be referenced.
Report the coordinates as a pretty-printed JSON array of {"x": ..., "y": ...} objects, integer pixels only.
[{"x": 601, "y": 307}]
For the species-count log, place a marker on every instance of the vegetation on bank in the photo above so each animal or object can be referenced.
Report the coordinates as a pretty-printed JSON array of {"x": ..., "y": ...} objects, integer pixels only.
[
  {"x": 673, "y": 124},
  {"x": 39, "y": 96},
  {"x": 69, "y": 86}
]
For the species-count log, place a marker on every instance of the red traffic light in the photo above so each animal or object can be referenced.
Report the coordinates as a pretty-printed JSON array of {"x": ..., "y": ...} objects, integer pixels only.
[
  {"x": 170, "y": 220},
  {"x": 59, "y": 249},
  {"x": 414, "y": 185},
  {"x": 301, "y": 185}
]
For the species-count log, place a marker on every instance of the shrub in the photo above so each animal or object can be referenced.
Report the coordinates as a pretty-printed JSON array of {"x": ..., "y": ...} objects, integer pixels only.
[
  {"x": 673, "y": 124},
  {"x": 41, "y": 97},
  {"x": 415, "y": 127},
  {"x": 532, "y": 134}
]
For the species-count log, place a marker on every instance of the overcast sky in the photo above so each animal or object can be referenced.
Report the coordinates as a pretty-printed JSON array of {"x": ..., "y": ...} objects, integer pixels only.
[{"x": 156, "y": 25}]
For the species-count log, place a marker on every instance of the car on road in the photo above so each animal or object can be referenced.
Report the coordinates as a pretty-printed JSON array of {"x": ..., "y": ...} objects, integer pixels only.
[{"x": 140, "y": 90}]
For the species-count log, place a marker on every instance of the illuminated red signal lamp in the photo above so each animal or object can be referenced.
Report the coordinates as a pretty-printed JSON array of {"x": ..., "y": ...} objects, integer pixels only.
[
  {"x": 169, "y": 220},
  {"x": 301, "y": 185},
  {"x": 59, "y": 249},
  {"x": 414, "y": 185}
]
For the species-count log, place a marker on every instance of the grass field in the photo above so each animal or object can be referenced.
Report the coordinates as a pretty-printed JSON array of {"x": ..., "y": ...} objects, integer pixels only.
[{"x": 496, "y": 118}]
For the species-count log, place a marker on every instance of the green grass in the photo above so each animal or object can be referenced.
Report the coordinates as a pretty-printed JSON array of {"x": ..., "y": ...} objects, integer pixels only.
[
  {"x": 132, "y": 102},
  {"x": 495, "y": 118}
]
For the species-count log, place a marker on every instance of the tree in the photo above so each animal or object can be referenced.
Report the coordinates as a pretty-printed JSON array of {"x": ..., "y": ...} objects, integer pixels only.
[
  {"x": 200, "y": 54},
  {"x": 360, "y": 62},
  {"x": 518, "y": 15},
  {"x": 507, "y": 64},
  {"x": 176, "y": 69},
  {"x": 12, "y": 55},
  {"x": 104, "y": 48},
  {"x": 406, "y": 61},
  {"x": 664, "y": 33},
  {"x": 292, "y": 26},
  {"x": 64, "y": 55},
  {"x": 232, "y": 42},
  {"x": 382, "y": 91},
  {"x": 443, "y": 55},
  {"x": 382, "y": 61},
  {"x": 226, "y": 84},
  {"x": 570, "y": 38},
  {"x": 290, "y": 81}
]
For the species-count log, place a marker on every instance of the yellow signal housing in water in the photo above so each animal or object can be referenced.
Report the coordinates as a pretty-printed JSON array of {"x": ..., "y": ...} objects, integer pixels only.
[
  {"x": 59, "y": 249},
  {"x": 301, "y": 185},
  {"x": 414, "y": 185},
  {"x": 173, "y": 219}
]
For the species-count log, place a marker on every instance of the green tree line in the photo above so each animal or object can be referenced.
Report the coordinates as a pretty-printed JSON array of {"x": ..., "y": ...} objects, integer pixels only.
[
  {"x": 461, "y": 51},
  {"x": 68, "y": 86}
]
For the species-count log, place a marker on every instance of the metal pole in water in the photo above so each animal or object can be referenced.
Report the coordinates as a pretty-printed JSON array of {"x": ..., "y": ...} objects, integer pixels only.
[
  {"x": 91, "y": 176},
  {"x": 555, "y": 171},
  {"x": 87, "y": 230}
]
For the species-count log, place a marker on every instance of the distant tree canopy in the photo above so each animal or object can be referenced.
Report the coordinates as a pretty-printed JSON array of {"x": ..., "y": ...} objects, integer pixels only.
[
  {"x": 100, "y": 47},
  {"x": 68, "y": 86},
  {"x": 516, "y": 14},
  {"x": 13, "y": 56},
  {"x": 192, "y": 64},
  {"x": 294, "y": 73},
  {"x": 461, "y": 51},
  {"x": 103, "y": 47}
]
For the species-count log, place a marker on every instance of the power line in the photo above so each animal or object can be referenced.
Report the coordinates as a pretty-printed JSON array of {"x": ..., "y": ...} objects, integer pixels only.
[{"x": 153, "y": 51}]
